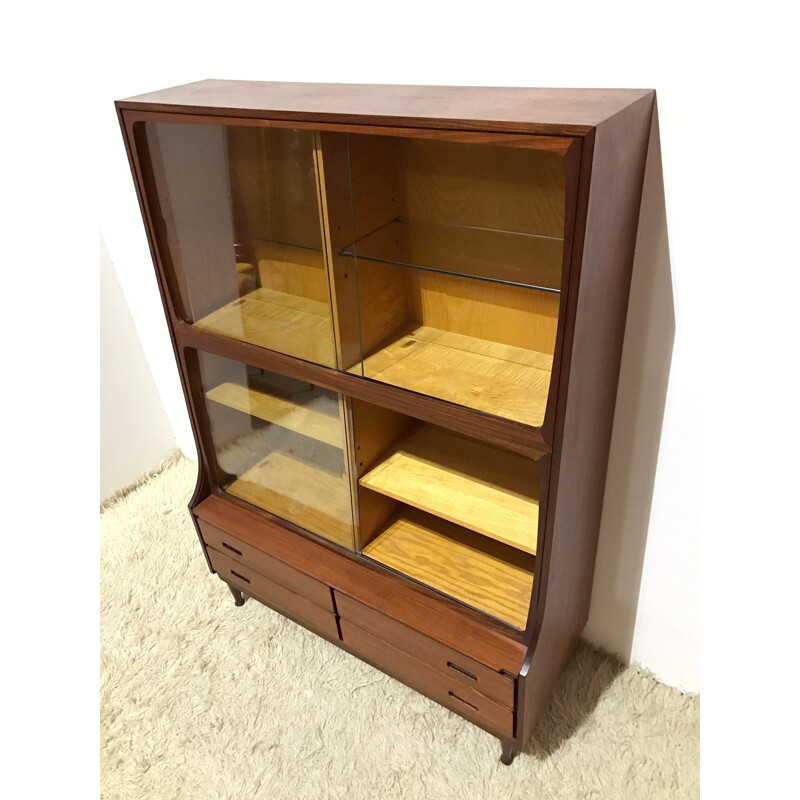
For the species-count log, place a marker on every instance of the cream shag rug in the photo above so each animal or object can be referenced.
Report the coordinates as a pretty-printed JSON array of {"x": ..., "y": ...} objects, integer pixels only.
[{"x": 200, "y": 699}]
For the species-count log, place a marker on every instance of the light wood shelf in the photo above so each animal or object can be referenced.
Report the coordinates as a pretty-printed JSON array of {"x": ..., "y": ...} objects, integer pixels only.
[
  {"x": 487, "y": 490},
  {"x": 520, "y": 259},
  {"x": 479, "y": 572},
  {"x": 311, "y": 498},
  {"x": 294, "y": 417},
  {"x": 279, "y": 321},
  {"x": 496, "y": 378}
]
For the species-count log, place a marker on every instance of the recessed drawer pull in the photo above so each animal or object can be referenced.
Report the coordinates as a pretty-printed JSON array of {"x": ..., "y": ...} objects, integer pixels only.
[
  {"x": 475, "y": 708},
  {"x": 240, "y": 577},
  {"x": 462, "y": 671},
  {"x": 233, "y": 549}
]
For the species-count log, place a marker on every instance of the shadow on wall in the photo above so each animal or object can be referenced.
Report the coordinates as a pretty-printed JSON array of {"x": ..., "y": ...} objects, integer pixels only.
[{"x": 638, "y": 419}]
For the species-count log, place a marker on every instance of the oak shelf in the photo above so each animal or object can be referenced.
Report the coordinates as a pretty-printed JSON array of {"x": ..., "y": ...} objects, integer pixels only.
[
  {"x": 284, "y": 485},
  {"x": 294, "y": 417},
  {"x": 288, "y": 323},
  {"x": 475, "y": 485},
  {"x": 479, "y": 572},
  {"x": 499, "y": 379},
  {"x": 519, "y": 259}
]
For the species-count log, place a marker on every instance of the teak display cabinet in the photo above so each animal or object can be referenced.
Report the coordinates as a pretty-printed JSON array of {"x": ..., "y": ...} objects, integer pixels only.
[{"x": 398, "y": 316}]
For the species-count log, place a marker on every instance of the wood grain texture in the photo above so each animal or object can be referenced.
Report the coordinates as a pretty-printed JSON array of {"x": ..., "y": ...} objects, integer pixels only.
[
  {"x": 459, "y": 669},
  {"x": 292, "y": 270},
  {"x": 479, "y": 572},
  {"x": 437, "y": 685},
  {"x": 287, "y": 323},
  {"x": 295, "y": 490},
  {"x": 308, "y": 421},
  {"x": 511, "y": 315},
  {"x": 375, "y": 430},
  {"x": 498, "y": 379},
  {"x": 502, "y": 431},
  {"x": 468, "y": 631},
  {"x": 509, "y": 109},
  {"x": 258, "y": 561},
  {"x": 472, "y": 484},
  {"x": 606, "y": 226},
  {"x": 478, "y": 186},
  {"x": 295, "y": 606}
]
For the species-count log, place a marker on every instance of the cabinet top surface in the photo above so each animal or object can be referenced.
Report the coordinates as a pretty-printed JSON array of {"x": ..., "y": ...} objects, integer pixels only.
[{"x": 550, "y": 111}]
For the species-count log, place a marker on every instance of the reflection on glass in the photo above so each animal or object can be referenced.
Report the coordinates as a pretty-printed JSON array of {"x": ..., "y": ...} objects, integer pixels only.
[
  {"x": 279, "y": 444},
  {"x": 238, "y": 215}
]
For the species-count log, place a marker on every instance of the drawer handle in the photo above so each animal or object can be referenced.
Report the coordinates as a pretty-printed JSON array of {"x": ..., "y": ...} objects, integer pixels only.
[
  {"x": 455, "y": 696},
  {"x": 462, "y": 671},
  {"x": 238, "y": 552},
  {"x": 240, "y": 577}
]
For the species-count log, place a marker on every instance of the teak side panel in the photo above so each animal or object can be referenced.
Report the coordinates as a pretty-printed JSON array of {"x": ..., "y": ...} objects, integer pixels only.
[
  {"x": 453, "y": 625},
  {"x": 605, "y": 243}
]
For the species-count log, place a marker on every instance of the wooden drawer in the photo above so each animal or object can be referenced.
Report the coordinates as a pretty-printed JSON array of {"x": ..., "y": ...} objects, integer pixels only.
[
  {"x": 277, "y": 570},
  {"x": 437, "y": 685},
  {"x": 317, "y": 618},
  {"x": 460, "y": 669}
]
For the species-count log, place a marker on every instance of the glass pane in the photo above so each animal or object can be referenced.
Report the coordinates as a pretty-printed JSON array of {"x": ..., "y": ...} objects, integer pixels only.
[
  {"x": 458, "y": 252},
  {"x": 237, "y": 215},
  {"x": 279, "y": 444}
]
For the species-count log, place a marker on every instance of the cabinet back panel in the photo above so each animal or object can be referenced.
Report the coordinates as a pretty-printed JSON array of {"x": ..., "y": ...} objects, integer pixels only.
[
  {"x": 493, "y": 311},
  {"x": 481, "y": 186},
  {"x": 273, "y": 185}
]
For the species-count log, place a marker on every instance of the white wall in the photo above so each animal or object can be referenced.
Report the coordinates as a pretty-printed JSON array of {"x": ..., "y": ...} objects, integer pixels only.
[
  {"x": 135, "y": 435},
  {"x": 646, "y": 595}
]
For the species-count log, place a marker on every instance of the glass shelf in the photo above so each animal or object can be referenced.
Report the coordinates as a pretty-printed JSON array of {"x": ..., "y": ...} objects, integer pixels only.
[{"x": 517, "y": 259}]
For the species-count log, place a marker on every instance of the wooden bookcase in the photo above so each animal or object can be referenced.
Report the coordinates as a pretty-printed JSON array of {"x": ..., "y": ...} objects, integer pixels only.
[{"x": 398, "y": 316}]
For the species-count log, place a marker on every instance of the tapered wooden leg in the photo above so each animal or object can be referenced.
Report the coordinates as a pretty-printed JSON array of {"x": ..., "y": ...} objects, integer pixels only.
[
  {"x": 238, "y": 597},
  {"x": 508, "y": 754}
]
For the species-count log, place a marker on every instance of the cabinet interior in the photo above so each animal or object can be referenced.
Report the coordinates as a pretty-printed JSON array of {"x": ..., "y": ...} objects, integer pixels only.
[
  {"x": 457, "y": 250},
  {"x": 238, "y": 213},
  {"x": 450, "y": 512},
  {"x": 430, "y": 265},
  {"x": 279, "y": 444},
  {"x": 453, "y": 513}
]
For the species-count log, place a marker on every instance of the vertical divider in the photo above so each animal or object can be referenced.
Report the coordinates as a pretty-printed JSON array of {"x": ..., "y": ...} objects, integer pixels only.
[
  {"x": 327, "y": 248},
  {"x": 346, "y": 416},
  {"x": 335, "y": 191},
  {"x": 345, "y": 410}
]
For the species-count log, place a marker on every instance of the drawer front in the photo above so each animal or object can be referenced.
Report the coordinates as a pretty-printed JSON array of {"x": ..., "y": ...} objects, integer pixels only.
[
  {"x": 319, "y": 619},
  {"x": 460, "y": 669},
  {"x": 266, "y": 565},
  {"x": 437, "y": 685}
]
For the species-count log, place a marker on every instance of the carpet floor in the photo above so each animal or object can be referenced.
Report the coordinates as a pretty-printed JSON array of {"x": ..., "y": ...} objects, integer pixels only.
[{"x": 200, "y": 699}]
